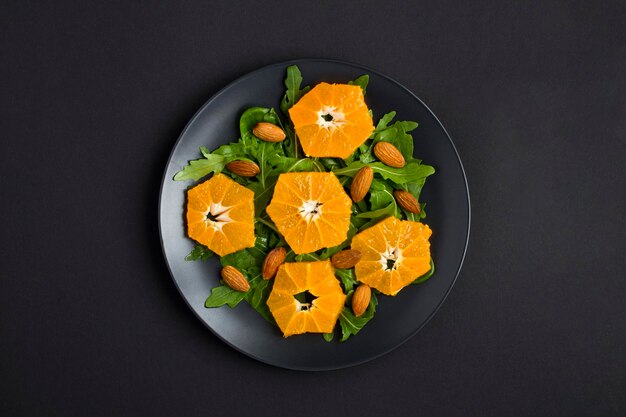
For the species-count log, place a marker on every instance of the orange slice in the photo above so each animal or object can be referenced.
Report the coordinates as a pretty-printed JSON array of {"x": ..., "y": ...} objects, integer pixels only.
[
  {"x": 220, "y": 215},
  {"x": 393, "y": 254},
  {"x": 318, "y": 316},
  {"x": 311, "y": 210},
  {"x": 332, "y": 120}
]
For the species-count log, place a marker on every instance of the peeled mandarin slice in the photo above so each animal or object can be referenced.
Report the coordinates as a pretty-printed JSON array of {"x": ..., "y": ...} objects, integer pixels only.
[
  {"x": 318, "y": 316},
  {"x": 393, "y": 254},
  {"x": 298, "y": 208},
  {"x": 220, "y": 215},
  {"x": 332, "y": 120}
]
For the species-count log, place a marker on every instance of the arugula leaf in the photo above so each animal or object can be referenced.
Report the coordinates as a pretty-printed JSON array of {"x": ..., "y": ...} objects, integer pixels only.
[
  {"x": 223, "y": 295},
  {"x": 248, "y": 147},
  {"x": 382, "y": 204},
  {"x": 347, "y": 278},
  {"x": 330, "y": 163},
  {"x": 260, "y": 151},
  {"x": 415, "y": 188},
  {"x": 396, "y": 134},
  {"x": 263, "y": 193},
  {"x": 266, "y": 238},
  {"x": 230, "y": 152},
  {"x": 263, "y": 153},
  {"x": 427, "y": 275},
  {"x": 250, "y": 118},
  {"x": 350, "y": 324},
  {"x": 361, "y": 81},
  {"x": 199, "y": 252},
  {"x": 390, "y": 210},
  {"x": 246, "y": 259},
  {"x": 354, "y": 220},
  {"x": 328, "y": 336},
  {"x": 293, "y": 93},
  {"x": 291, "y": 256},
  {"x": 257, "y": 297},
  {"x": 411, "y": 172},
  {"x": 384, "y": 121},
  {"x": 286, "y": 164},
  {"x": 307, "y": 257},
  {"x": 201, "y": 168},
  {"x": 381, "y": 194},
  {"x": 291, "y": 97}
]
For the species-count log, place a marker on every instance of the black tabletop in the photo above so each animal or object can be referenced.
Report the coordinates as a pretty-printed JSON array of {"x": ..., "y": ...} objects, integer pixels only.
[{"x": 93, "y": 97}]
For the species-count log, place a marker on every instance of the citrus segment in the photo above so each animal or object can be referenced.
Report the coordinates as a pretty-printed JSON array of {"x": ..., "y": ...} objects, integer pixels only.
[
  {"x": 318, "y": 316},
  {"x": 393, "y": 254},
  {"x": 332, "y": 120},
  {"x": 305, "y": 204},
  {"x": 220, "y": 215}
]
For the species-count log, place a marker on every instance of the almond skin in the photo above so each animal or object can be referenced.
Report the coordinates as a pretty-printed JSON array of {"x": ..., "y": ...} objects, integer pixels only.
[
  {"x": 346, "y": 259},
  {"x": 268, "y": 132},
  {"x": 361, "y": 183},
  {"x": 361, "y": 299},
  {"x": 243, "y": 168},
  {"x": 389, "y": 155},
  {"x": 235, "y": 279},
  {"x": 406, "y": 200},
  {"x": 274, "y": 259}
]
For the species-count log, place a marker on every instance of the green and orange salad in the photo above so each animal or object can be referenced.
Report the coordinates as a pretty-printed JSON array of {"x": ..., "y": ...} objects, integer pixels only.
[{"x": 315, "y": 213}]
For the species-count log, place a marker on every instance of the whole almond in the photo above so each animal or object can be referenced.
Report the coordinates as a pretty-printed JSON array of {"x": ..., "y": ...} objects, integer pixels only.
[
  {"x": 235, "y": 279},
  {"x": 361, "y": 183},
  {"x": 273, "y": 260},
  {"x": 406, "y": 200},
  {"x": 346, "y": 259},
  {"x": 243, "y": 168},
  {"x": 361, "y": 299},
  {"x": 389, "y": 155},
  {"x": 268, "y": 132}
]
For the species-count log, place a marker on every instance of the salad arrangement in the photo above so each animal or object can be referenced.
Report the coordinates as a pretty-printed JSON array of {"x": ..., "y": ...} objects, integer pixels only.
[{"x": 314, "y": 213}]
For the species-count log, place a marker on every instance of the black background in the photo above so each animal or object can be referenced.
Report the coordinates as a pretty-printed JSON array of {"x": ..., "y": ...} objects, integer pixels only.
[{"x": 93, "y": 97}]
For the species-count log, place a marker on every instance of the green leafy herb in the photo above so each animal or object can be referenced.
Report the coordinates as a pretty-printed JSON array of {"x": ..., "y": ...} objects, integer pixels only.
[
  {"x": 347, "y": 278},
  {"x": 223, "y": 295},
  {"x": 381, "y": 195},
  {"x": 201, "y": 168},
  {"x": 293, "y": 93},
  {"x": 350, "y": 324},
  {"x": 257, "y": 297},
  {"x": 291, "y": 97},
  {"x": 286, "y": 164},
  {"x": 361, "y": 81},
  {"x": 199, "y": 252},
  {"x": 396, "y": 134},
  {"x": 384, "y": 121},
  {"x": 307, "y": 257},
  {"x": 411, "y": 172}
]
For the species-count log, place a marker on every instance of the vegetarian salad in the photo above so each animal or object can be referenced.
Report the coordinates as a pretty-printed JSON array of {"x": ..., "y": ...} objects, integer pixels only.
[{"x": 314, "y": 213}]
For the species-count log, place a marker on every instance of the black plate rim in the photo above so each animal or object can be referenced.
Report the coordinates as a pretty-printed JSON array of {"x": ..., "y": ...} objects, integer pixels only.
[{"x": 284, "y": 64}]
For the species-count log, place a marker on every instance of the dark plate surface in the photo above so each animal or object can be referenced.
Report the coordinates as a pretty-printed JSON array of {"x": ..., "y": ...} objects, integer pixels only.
[{"x": 397, "y": 318}]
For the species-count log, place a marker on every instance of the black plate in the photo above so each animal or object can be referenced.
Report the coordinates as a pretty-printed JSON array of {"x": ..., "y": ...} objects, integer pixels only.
[{"x": 397, "y": 318}]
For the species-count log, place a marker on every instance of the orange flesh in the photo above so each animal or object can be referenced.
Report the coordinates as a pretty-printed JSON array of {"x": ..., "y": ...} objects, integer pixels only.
[
  {"x": 332, "y": 120},
  {"x": 294, "y": 317},
  {"x": 311, "y": 210},
  {"x": 232, "y": 208},
  {"x": 393, "y": 254}
]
